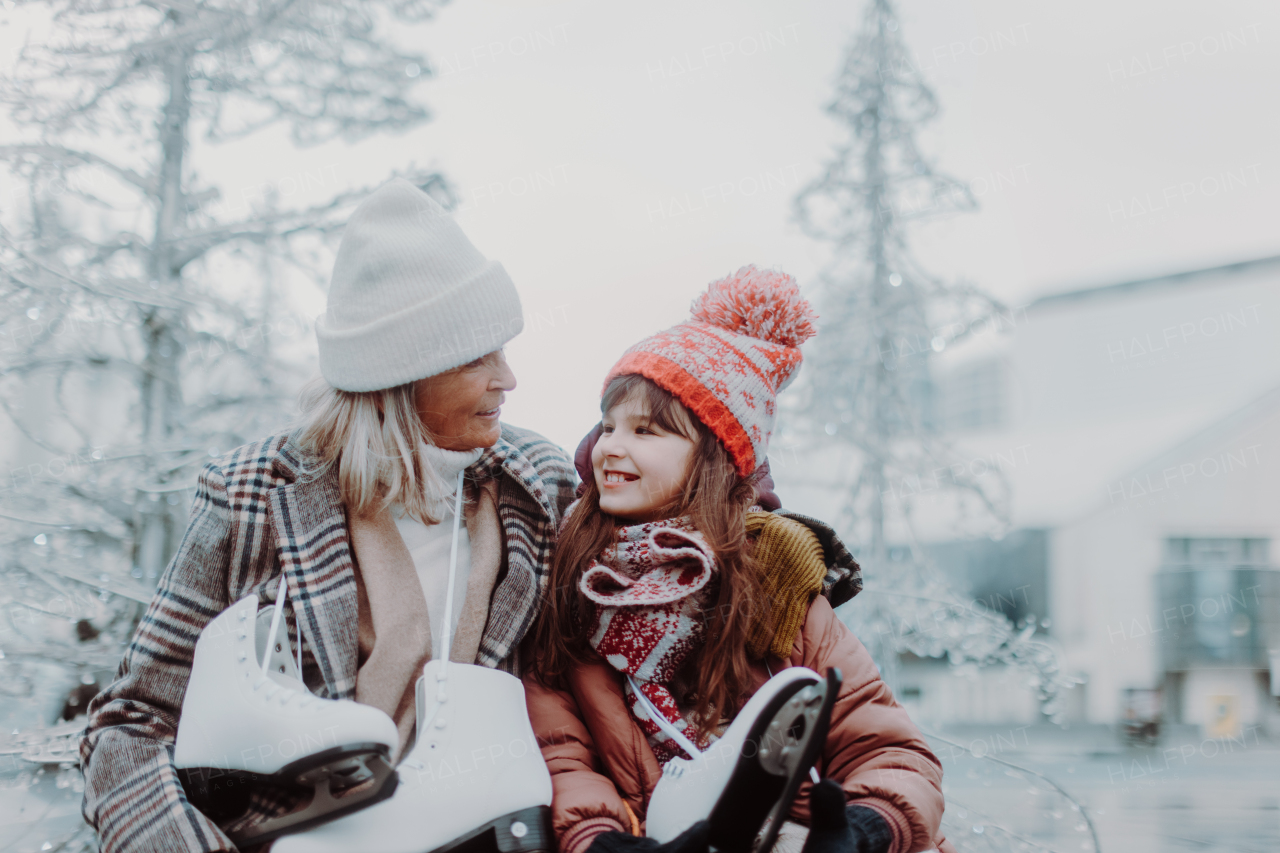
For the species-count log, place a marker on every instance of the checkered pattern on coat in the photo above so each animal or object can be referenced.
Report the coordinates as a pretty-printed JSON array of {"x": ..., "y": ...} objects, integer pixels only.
[{"x": 258, "y": 517}]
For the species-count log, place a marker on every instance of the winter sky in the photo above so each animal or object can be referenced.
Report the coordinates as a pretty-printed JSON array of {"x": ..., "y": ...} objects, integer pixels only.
[{"x": 617, "y": 157}]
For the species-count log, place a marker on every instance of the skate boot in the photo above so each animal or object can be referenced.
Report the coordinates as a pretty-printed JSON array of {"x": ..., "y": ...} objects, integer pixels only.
[
  {"x": 248, "y": 720},
  {"x": 746, "y": 781},
  {"x": 474, "y": 782}
]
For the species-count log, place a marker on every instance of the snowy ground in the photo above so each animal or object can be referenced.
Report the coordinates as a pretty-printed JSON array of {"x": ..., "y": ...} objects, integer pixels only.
[
  {"x": 1187, "y": 793},
  {"x": 40, "y": 808}
]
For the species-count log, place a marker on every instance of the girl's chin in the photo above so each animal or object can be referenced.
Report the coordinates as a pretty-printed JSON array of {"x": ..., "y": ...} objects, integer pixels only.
[
  {"x": 626, "y": 511},
  {"x": 614, "y": 507}
]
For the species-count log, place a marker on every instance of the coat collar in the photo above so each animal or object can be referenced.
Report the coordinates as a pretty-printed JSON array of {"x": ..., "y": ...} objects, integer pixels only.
[
  {"x": 293, "y": 463},
  {"x": 313, "y": 538},
  {"x": 315, "y": 555},
  {"x": 506, "y": 457}
]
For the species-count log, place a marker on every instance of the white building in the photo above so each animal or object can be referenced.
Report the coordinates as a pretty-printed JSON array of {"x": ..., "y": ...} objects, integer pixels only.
[{"x": 1138, "y": 425}]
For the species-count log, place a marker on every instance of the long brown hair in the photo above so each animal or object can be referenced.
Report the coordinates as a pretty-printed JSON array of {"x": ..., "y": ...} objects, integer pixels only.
[{"x": 716, "y": 499}]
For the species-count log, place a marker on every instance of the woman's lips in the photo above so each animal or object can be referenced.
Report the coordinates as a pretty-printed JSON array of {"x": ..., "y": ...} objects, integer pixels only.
[{"x": 491, "y": 413}]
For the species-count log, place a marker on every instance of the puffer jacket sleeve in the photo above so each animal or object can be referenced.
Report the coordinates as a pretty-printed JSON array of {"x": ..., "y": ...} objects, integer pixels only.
[
  {"x": 873, "y": 749},
  {"x": 132, "y": 794},
  {"x": 584, "y": 802}
]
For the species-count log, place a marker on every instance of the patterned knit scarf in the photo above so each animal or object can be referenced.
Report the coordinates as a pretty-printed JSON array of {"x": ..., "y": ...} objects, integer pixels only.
[{"x": 650, "y": 615}]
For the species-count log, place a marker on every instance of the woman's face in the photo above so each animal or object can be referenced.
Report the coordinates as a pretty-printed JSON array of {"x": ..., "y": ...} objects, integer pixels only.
[{"x": 460, "y": 408}]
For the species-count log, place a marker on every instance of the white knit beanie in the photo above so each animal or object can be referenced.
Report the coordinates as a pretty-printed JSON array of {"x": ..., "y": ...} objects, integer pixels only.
[{"x": 410, "y": 296}]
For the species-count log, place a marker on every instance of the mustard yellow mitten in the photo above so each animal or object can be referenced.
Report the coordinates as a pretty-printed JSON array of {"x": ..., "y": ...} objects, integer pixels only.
[{"x": 792, "y": 566}]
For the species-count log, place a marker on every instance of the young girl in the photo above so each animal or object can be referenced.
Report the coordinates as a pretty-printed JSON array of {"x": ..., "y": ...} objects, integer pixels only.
[{"x": 687, "y": 417}]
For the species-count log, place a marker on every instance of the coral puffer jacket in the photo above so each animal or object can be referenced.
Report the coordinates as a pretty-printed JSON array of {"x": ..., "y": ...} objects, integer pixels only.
[{"x": 599, "y": 758}]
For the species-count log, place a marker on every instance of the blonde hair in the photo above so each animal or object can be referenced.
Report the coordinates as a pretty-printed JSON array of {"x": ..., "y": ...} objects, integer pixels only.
[{"x": 374, "y": 437}]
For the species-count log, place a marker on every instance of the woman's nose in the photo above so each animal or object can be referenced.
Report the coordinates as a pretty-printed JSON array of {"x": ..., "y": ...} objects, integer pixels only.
[{"x": 504, "y": 379}]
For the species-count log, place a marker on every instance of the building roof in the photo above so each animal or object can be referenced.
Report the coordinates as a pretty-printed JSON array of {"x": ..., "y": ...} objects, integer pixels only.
[
  {"x": 1097, "y": 393},
  {"x": 1186, "y": 278}
]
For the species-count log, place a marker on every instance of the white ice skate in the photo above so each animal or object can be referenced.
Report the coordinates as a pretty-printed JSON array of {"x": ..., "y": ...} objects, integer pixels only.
[
  {"x": 474, "y": 782},
  {"x": 746, "y": 781},
  {"x": 248, "y": 720}
]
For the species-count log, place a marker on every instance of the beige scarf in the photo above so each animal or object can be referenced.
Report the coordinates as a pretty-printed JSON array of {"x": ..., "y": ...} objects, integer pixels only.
[{"x": 393, "y": 607}]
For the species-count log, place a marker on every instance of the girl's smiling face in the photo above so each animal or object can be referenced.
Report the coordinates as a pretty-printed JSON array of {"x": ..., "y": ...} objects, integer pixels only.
[{"x": 640, "y": 467}]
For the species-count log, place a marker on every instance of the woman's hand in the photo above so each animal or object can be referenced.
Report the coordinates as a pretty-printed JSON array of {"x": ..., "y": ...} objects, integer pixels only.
[{"x": 835, "y": 827}]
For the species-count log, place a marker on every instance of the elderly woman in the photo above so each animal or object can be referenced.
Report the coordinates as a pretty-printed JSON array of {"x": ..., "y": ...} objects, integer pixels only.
[{"x": 345, "y": 511}]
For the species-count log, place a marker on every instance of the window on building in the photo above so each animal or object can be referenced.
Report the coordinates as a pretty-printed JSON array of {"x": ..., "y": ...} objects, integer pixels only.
[
  {"x": 1215, "y": 596},
  {"x": 1214, "y": 553}
]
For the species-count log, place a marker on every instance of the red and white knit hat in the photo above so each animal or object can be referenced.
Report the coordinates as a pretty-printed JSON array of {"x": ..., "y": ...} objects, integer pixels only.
[{"x": 728, "y": 362}]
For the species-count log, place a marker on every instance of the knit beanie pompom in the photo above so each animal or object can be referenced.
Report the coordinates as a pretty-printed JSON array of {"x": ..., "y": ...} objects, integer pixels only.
[
  {"x": 764, "y": 304},
  {"x": 729, "y": 360}
]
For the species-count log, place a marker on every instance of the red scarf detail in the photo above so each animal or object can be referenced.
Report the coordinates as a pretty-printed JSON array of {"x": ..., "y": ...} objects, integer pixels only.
[{"x": 651, "y": 604}]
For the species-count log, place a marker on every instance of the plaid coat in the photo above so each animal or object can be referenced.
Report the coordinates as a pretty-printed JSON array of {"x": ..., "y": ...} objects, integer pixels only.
[{"x": 255, "y": 518}]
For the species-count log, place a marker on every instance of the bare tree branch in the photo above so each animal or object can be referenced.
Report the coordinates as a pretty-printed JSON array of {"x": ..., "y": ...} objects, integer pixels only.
[
  {"x": 111, "y": 285},
  {"x": 62, "y": 155}
]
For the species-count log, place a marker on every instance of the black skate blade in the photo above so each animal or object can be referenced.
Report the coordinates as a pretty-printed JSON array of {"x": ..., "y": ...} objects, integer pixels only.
[
  {"x": 818, "y": 727},
  {"x": 524, "y": 831},
  {"x": 325, "y": 774},
  {"x": 758, "y": 793}
]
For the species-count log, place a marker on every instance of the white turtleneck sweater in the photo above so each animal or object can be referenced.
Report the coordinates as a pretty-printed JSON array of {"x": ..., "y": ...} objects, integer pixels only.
[{"x": 429, "y": 545}]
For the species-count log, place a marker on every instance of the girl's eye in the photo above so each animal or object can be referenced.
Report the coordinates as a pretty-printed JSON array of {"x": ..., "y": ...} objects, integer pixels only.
[
  {"x": 644, "y": 431},
  {"x": 606, "y": 430}
]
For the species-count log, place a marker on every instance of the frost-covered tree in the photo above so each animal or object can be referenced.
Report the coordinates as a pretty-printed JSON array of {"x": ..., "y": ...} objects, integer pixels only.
[
  {"x": 868, "y": 384},
  {"x": 147, "y": 320}
]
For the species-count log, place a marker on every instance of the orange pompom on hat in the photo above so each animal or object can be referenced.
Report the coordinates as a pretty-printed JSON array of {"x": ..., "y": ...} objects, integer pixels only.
[{"x": 728, "y": 362}]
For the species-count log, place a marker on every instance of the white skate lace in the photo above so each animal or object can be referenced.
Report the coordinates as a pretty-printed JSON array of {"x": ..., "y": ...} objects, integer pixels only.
[
  {"x": 446, "y": 629},
  {"x": 285, "y": 694},
  {"x": 661, "y": 721}
]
